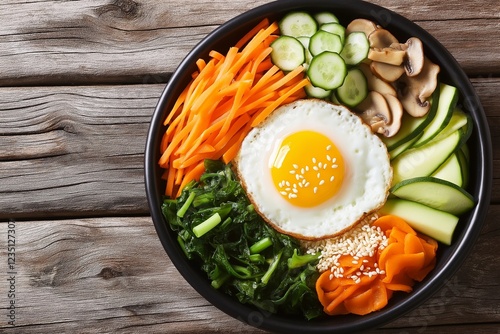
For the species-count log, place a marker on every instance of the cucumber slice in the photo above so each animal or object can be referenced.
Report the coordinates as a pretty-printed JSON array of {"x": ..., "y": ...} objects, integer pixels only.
[
  {"x": 354, "y": 89},
  {"x": 325, "y": 17},
  {"x": 458, "y": 120},
  {"x": 305, "y": 43},
  {"x": 464, "y": 165},
  {"x": 317, "y": 92},
  {"x": 356, "y": 48},
  {"x": 324, "y": 41},
  {"x": 424, "y": 160},
  {"x": 334, "y": 28},
  {"x": 436, "y": 224},
  {"x": 298, "y": 24},
  {"x": 412, "y": 127},
  {"x": 450, "y": 171},
  {"x": 288, "y": 53},
  {"x": 402, "y": 148},
  {"x": 448, "y": 97},
  {"x": 327, "y": 70},
  {"x": 435, "y": 193}
]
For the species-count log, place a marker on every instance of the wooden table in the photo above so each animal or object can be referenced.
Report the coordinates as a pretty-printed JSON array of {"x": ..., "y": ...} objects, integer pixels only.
[{"x": 79, "y": 82}]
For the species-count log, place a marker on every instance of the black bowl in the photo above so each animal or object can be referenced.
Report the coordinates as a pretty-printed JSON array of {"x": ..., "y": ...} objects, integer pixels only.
[{"x": 449, "y": 258}]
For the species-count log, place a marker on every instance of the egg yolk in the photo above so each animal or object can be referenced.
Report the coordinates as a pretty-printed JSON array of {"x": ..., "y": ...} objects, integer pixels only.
[{"x": 307, "y": 169}]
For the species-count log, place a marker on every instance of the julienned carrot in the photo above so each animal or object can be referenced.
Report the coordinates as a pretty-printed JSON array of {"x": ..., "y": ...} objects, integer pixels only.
[
  {"x": 228, "y": 95},
  {"x": 366, "y": 284}
]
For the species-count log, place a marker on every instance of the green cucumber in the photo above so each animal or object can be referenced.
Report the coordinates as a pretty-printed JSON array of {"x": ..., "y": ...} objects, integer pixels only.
[
  {"x": 354, "y": 89},
  {"x": 464, "y": 165},
  {"x": 356, "y": 48},
  {"x": 403, "y": 147},
  {"x": 288, "y": 53},
  {"x": 334, "y": 28},
  {"x": 458, "y": 120},
  {"x": 324, "y": 41},
  {"x": 317, "y": 92},
  {"x": 435, "y": 193},
  {"x": 325, "y": 17},
  {"x": 327, "y": 70},
  {"x": 424, "y": 160},
  {"x": 450, "y": 170},
  {"x": 298, "y": 24},
  {"x": 448, "y": 97},
  {"x": 434, "y": 223},
  {"x": 412, "y": 127}
]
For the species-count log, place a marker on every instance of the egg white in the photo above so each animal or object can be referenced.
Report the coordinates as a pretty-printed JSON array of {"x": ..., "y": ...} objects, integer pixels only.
[{"x": 367, "y": 177}]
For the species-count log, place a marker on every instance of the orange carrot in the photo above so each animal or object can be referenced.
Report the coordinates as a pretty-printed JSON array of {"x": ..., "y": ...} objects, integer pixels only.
[
  {"x": 226, "y": 96},
  {"x": 408, "y": 257}
]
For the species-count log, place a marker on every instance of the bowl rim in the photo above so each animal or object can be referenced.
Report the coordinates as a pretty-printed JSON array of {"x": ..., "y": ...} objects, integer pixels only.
[{"x": 462, "y": 243}]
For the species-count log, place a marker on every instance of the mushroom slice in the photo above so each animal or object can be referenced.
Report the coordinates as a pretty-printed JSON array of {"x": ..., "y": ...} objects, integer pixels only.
[
  {"x": 386, "y": 72},
  {"x": 381, "y": 38},
  {"x": 414, "y": 92},
  {"x": 414, "y": 61},
  {"x": 375, "y": 112},
  {"x": 387, "y": 55},
  {"x": 396, "y": 109},
  {"x": 362, "y": 25},
  {"x": 375, "y": 83}
]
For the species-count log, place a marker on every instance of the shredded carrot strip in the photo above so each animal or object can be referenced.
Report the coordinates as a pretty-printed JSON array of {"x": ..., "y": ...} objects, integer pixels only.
[
  {"x": 407, "y": 258},
  {"x": 228, "y": 95}
]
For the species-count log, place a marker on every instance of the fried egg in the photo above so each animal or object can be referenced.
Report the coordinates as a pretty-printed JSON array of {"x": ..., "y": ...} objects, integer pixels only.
[{"x": 313, "y": 169}]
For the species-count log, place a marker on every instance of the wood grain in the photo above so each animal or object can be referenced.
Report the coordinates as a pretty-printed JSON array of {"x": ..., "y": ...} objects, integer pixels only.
[
  {"x": 79, "y": 42},
  {"x": 78, "y": 151},
  {"x": 107, "y": 275}
]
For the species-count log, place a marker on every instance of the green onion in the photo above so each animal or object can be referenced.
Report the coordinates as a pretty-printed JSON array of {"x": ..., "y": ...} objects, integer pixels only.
[
  {"x": 260, "y": 245},
  {"x": 207, "y": 225},
  {"x": 271, "y": 269},
  {"x": 185, "y": 206}
]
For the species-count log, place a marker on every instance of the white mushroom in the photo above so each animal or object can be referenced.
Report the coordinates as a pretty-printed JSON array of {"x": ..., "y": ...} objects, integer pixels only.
[
  {"x": 361, "y": 25},
  {"x": 386, "y": 72},
  {"x": 381, "y": 38},
  {"x": 375, "y": 112},
  {"x": 387, "y": 55},
  {"x": 414, "y": 92},
  {"x": 396, "y": 109},
  {"x": 414, "y": 61},
  {"x": 374, "y": 83}
]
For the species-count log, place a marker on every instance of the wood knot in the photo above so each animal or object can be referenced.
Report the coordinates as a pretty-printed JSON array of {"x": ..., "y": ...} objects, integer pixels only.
[
  {"x": 108, "y": 273},
  {"x": 120, "y": 8}
]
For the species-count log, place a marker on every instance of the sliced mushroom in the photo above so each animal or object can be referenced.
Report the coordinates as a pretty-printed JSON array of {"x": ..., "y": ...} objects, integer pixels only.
[
  {"x": 414, "y": 61},
  {"x": 361, "y": 25},
  {"x": 387, "y": 55},
  {"x": 375, "y": 83},
  {"x": 386, "y": 72},
  {"x": 396, "y": 109},
  {"x": 381, "y": 38},
  {"x": 414, "y": 92},
  {"x": 375, "y": 112}
]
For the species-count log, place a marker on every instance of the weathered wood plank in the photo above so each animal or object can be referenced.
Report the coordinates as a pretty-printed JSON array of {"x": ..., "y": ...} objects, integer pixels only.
[
  {"x": 74, "y": 149},
  {"x": 111, "y": 275},
  {"x": 84, "y": 146},
  {"x": 75, "y": 42}
]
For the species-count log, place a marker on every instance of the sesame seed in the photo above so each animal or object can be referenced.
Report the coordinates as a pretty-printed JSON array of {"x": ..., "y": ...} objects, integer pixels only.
[
  {"x": 288, "y": 189},
  {"x": 322, "y": 182},
  {"x": 292, "y": 172},
  {"x": 354, "y": 262},
  {"x": 335, "y": 166},
  {"x": 329, "y": 158},
  {"x": 318, "y": 175},
  {"x": 295, "y": 166},
  {"x": 284, "y": 193},
  {"x": 307, "y": 168},
  {"x": 334, "y": 160},
  {"x": 328, "y": 147},
  {"x": 314, "y": 160},
  {"x": 325, "y": 166},
  {"x": 306, "y": 184},
  {"x": 315, "y": 168},
  {"x": 297, "y": 177},
  {"x": 315, "y": 190},
  {"x": 331, "y": 277},
  {"x": 295, "y": 190},
  {"x": 332, "y": 178},
  {"x": 302, "y": 171},
  {"x": 287, "y": 183},
  {"x": 320, "y": 165}
]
